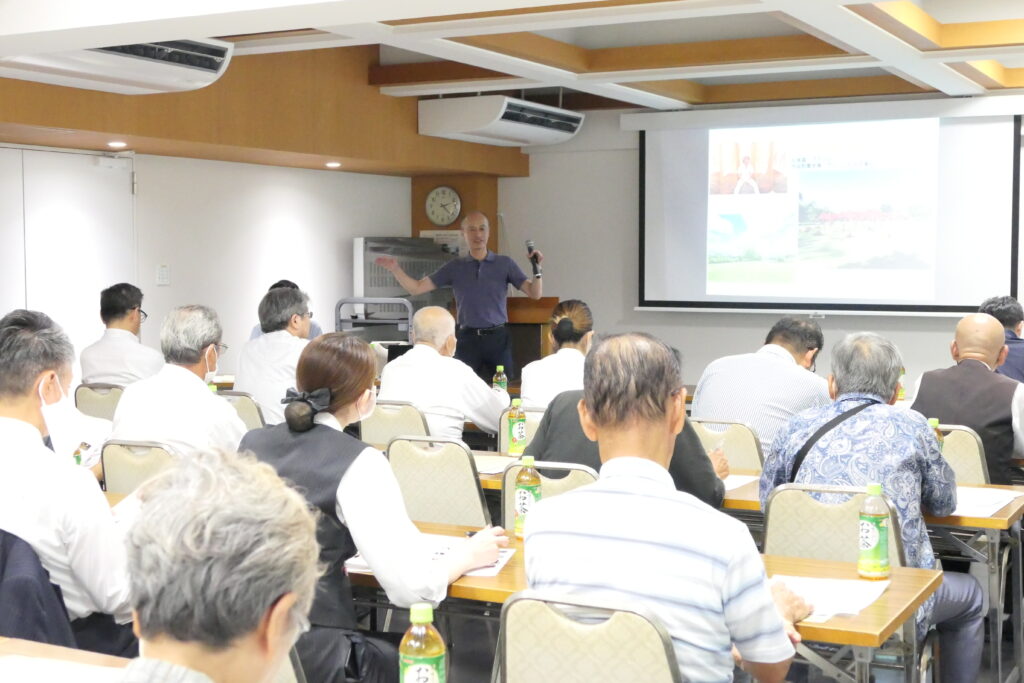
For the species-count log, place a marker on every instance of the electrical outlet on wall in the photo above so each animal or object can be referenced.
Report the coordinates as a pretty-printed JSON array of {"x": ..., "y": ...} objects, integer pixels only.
[{"x": 163, "y": 276}]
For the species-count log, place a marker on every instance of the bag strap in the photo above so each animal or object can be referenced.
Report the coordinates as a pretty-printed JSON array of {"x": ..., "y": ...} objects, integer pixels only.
[{"x": 824, "y": 429}]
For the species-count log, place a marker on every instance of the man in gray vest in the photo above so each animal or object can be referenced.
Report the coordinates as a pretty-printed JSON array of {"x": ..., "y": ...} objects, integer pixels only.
[{"x": 972, "y": 394}]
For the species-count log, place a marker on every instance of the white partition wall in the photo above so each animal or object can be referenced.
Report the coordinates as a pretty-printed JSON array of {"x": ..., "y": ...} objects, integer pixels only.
[
  {"x": 79, "y": 236},
  {"x": 12, "y": 232}
]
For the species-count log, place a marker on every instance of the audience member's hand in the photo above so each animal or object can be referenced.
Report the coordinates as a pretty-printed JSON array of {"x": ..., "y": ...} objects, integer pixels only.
[
  {"x": 792, "y": 608},
  {"x": 719, "y": 462},
  {"x": 484, "y": 544},
  {"x": 387, "y": 262}
]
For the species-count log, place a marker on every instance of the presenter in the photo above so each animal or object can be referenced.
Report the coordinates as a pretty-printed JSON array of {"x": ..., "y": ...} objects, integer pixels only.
[{"x": 480, "y": 283}]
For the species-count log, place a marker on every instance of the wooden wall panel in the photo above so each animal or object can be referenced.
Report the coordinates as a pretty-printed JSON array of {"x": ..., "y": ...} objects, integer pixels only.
[{"x": 478, "y": 193}]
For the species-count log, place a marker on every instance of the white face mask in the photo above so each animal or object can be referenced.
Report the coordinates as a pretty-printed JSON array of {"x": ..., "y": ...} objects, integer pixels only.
[
  {"x": 210, "y": 374},
  {"x": 59, "y": 419},
  {"x": 371, "y": 406}
]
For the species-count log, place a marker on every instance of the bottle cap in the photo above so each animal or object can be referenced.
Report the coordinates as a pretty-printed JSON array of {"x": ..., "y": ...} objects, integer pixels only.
[
  {"x": 527, "y": 461},
  {"x": 874, "y": 489},
  {"x": 933, "y": 422},
  {"x": 500, "y": 368},
  {"x": 517, "y": 402},
  {"x": 421, "y": 613}
]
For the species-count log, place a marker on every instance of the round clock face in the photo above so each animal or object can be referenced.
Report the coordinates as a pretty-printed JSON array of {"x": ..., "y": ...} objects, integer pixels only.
[{"x": 443, "y": 205}]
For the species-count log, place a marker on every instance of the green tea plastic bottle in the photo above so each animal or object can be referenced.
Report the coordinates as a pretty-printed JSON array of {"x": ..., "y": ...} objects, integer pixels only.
[
  {"x": 500, "y": 380},
  {"x": 516, "y": 428},
  {"x": 527, "y": 492},
  {"x": 873, "y": 560},
  {"x": 422, "y": 654}
]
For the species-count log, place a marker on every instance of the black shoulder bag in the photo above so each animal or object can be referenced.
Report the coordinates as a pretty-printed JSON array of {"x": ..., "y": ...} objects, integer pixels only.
[{"x": 824, "y": 429}]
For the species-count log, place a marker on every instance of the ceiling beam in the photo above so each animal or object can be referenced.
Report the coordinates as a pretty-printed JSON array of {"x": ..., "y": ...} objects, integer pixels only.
[
  {"x": 533, "y": 47},
  {"x": 735, "y": 69},
  {"x": 800, "y": 90}
]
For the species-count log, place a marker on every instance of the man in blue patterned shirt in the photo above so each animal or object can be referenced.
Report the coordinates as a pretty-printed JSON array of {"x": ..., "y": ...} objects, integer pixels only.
[{"x": 896, "y": 448}]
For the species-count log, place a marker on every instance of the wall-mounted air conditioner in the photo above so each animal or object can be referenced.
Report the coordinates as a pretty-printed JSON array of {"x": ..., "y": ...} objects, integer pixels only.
[
  {"x": 497, "y": 120},
  {"x": 140, "y": 69}
]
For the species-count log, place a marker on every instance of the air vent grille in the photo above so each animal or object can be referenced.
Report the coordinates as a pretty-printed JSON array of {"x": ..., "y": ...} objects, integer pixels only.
[
  {"x": 539, "y": 117},
  {"x": 183, "y": 52}
]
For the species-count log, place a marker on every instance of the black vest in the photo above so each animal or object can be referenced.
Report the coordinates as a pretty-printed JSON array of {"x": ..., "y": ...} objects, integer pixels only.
[
  {"x": 970, "y": 394},
  {"x": 315, "y": 462}
]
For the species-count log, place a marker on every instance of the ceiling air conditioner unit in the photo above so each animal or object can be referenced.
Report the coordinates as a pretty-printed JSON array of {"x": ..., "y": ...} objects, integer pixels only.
[
  {"x": 497, "y": 120},
  {"x": 140, "y": 69}
]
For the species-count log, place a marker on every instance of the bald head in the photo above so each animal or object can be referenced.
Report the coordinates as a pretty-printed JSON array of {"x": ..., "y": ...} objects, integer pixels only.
[
  {"x": 979, "y": 336},
  {"x": 475, "y": 218},
  {"x": 434, "y": 326}
]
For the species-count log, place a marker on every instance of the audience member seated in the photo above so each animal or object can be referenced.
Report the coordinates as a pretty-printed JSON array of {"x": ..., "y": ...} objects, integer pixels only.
[
  {"x": 572, "y": 328},
  {"x": 223, "y": 565},
  {"x": 314, "y": 328},
  {"x": 361, "y": 507},
  {"x": 176, "y": 406},
  {"x": 49, "y": 502},
  {"x": 971, "y": 394},
  {"x": 119, "y": 357},
  {"x": 765, "y": 389},
  {"x": 1010, "y": 314},
  {"x": 875, "y": 442},
  {"x": 447, "y": 390},
  {"x": 560, "y": 438},
  {"x": 266, "y": 367},
  {"x": 700, "y": 575}
]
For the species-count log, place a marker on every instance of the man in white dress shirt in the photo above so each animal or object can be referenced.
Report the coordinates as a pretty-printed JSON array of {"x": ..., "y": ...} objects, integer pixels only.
[
  {"x": 119, "y": 357},
  {"x": 314, "y": 328},
  {"x": 447, "y": 390},
  {"x": 48, "y": 501},
  {"x": 266, "y": 368},
  {"x": 765, "y": 389},
  {"x": 176, "y": 406}
]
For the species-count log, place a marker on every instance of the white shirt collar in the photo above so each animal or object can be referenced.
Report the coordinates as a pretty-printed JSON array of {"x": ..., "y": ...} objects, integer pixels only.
[
  {"x": 20, "y": 433},
  {"x": 328, "y": 420},
  {"x": 117, "y": 333},
  {"x": 180, "y": 374},
  {"x": 643, "y": 468},
  {"x": 776, "y": 351},
  {"x": 568, "y": 351},
  {"x": 423, "y": 349}
]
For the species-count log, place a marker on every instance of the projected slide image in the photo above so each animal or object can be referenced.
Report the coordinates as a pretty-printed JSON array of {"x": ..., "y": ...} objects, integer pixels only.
[{"x": 854, "y": 217}]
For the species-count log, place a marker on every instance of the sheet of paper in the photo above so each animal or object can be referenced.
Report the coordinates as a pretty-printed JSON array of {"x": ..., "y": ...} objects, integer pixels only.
[
  {"x": 734, "y": 481},
  {"x": 981, "y": 502},
  {"x": 830, "y": 597},
  {"x": 492, "y": 464},
  {"x": 440, "y": 546}
]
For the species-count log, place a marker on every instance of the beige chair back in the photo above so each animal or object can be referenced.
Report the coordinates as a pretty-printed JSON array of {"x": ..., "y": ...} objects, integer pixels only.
[
  {"x": 798, "y": 525},
  {"x": 98, "y": 400},
  {"x": 545, "y": 640},
  {"x": 533, "y": 418},
  {"x": 738, "y": 441},
  {"x": 577, "y": 475},
  {"x": 246, "y": 407},
  {"x": 392, "y": 419},
  {"x": 126, "y": 464},
  {"x": 439, "y": 481},
  {"x": 963, "y": 450}
]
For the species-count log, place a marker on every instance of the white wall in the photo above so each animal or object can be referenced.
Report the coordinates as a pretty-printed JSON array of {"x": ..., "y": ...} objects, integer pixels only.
[
  {"x": 580, "y": 204},
  {"x": 229, "y": 230}
]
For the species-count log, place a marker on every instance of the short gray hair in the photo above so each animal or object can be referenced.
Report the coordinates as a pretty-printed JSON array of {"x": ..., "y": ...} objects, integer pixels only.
[
  {"x": 186, "y": 331},
  {"x": 279, "y": 305},
  {"x": 866, "y": 363},
  {"x": 629, "y": 377},
  {"x": 432, "y": 324},
  {"x": 30, "y": 344},
  {"x": 219, "y": 539}
]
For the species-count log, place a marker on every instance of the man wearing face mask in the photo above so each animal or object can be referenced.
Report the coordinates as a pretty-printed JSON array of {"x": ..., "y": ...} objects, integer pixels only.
[
  {"x": 53, "y": 505},
  {"x": 175, "y": 406},
  {"x": 444, "y": 388}
]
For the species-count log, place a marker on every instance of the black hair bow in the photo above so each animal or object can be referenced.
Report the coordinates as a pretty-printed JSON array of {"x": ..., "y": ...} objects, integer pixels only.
[{"x": 318, "y": 400}]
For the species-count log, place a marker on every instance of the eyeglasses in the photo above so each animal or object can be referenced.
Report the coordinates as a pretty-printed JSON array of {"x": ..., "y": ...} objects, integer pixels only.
[
  {"x": 222, "y": 348},
  {"x": 143, "y": 316},
  {"x": 308, "y": 314}
]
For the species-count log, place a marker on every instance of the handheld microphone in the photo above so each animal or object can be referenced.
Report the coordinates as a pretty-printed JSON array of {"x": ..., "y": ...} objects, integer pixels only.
[{"x": 531, "y": 248}]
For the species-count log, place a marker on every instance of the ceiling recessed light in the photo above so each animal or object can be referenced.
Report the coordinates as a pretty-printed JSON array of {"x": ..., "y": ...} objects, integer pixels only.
[
  {"x": 333, "y": 164},
  {"x": 117, "y": 144}
]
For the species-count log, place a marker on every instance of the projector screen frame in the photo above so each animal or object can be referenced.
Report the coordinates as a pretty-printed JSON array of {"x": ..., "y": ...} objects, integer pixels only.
[{"x": 819, "y": 308}]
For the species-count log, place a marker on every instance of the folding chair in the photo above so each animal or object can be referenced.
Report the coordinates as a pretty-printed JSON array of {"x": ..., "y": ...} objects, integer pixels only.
[
  {"x": 439, "y": 481},
  {"x": 576, "y": 475},
  {"x": 533, "y": 418},
  {"x": 127, "y": 464},
  {"x": 739, "y": 442},
  {"x": 392, "y": 419},
  {"x": 98, "y": 400},
  {"x": 247, "y": 407}
]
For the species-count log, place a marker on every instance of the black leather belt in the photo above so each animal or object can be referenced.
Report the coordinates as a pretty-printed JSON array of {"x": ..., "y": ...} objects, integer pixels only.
[{"x": 482, "y": 331}]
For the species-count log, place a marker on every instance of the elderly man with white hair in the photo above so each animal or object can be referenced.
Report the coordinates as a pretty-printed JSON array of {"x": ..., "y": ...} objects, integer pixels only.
[
  {"x": 223, "y": 567},
  {"x": 447, "y": 390},
  {"x": 175, "y": 406}
]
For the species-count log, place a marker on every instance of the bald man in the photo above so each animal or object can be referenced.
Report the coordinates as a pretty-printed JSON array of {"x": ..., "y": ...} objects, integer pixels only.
[
  {"x": 971, "y": 393},
  {"x": 480, "y": 284},
  {"x": 447, "y": 391}
]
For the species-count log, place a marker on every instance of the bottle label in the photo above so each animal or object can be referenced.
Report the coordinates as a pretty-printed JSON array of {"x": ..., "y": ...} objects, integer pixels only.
[
  {"x": 525, "y": 497},
  {"x": 422, "y": 669},
  {"x": 500, "y": 384},
  {"x": 874, "y": 546},
  {"x": 517, "y": 435}
]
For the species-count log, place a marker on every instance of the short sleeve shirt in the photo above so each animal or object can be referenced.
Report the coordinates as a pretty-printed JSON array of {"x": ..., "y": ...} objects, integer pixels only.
[{"x": 480, "y": 287}]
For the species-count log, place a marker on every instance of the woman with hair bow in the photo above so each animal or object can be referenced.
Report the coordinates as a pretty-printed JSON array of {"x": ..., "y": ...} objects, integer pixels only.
[{"x": 362, "y": 510}]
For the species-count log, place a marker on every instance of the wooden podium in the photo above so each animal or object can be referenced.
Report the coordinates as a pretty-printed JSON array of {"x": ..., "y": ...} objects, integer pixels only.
[{"x": 530, "y": 328}]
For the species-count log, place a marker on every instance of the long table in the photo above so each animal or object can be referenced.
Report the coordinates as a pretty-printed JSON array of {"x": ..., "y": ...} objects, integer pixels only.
[
  {"x": 908, "y": 589},
  {"x": 29, "y": 648},
  {"x": 993, "y": 533}
]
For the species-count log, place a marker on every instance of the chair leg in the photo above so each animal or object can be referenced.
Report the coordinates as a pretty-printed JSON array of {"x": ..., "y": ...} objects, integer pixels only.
[{"x": 929, "y": 658}]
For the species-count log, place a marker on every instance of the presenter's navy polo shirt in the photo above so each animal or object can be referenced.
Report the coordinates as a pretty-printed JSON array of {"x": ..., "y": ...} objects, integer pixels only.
[{"x": 480, "y": 287}]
